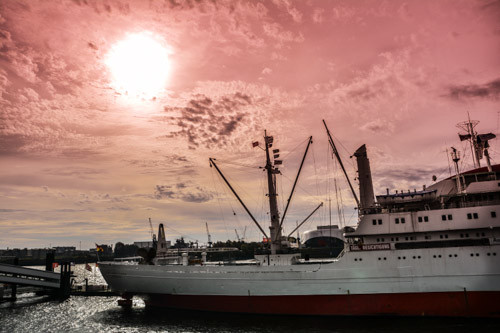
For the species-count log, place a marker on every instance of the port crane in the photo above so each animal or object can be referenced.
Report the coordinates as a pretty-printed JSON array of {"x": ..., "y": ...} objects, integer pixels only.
[{"x": 209, "y": 236}]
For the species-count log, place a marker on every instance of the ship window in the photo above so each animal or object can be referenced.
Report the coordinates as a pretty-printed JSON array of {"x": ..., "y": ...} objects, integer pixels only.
[
  {"x": 469, "y": 216},
  {"x": 379, "y": 221},
  {"x": 374, "y": 222},
  {"x": 406, "y": 238},
  {"x": 443, "y": 217},
  {"x": 441, "y": 236},
  {"x": 450, "y": 217},
  {"x": 420, "y": 219},
  {"x": 397, "y": 220},
  {"x": 381, "y": 239},
  {"x": 403, "y": 220},
  {"x": 445, "y": 236},
  {"x": 493, "y": 214},
  {"x": 392, "y": 239},
  {"x": 426, "y": 218},
  {"x": 475, "y": 215}
]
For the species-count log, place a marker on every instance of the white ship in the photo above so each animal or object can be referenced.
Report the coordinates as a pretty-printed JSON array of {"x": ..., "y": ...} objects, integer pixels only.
[{"x": 434, "y": 252}]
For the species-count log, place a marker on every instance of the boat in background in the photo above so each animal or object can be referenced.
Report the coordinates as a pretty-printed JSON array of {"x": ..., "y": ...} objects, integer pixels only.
[{"x": 434, "y": 252}]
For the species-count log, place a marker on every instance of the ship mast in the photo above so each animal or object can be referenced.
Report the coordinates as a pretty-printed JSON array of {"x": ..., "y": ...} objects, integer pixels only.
[
  {"x": 478, "y": 142},
  {"x": 275, "y": 230}
]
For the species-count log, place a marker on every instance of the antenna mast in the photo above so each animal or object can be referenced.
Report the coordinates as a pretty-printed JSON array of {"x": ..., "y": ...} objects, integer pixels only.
[{"x": 455, "y": 156}]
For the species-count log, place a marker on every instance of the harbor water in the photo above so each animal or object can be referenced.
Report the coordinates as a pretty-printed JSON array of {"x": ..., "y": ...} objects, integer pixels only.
[{"x": 31, "y": 313}]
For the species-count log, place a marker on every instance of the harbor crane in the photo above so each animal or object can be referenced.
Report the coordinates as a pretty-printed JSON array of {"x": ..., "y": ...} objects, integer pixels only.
[
  {"x": 241, "y": 239},
  {"x": 209, "y": 236},
  {"x": 153, "y": 236}
]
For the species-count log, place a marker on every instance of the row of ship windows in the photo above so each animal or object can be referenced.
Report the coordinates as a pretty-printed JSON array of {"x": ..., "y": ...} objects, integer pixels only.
[
  {"x": 434, "y": 256},
  {"x": 448, "y": 217},
  {"x": 410, "y": 238}
]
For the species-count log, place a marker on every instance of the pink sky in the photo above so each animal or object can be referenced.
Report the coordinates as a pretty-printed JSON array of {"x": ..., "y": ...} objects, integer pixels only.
[{"x": 81, "y": 160}]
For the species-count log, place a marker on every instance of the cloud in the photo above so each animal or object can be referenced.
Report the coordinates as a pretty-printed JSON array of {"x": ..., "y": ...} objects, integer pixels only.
[
  {"x": 490, "y": 90},
  {"x": 206, "y": 122},
  {"x": 290, "y": 9},
  {"x": 181, "y": 191}
]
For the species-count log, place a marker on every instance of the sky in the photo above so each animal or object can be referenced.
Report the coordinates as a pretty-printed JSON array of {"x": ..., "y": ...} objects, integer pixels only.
[{"x": 109, "y": 110}]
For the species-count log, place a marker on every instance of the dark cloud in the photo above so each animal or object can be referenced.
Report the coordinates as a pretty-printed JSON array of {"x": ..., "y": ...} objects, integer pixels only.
[
  {"x": 416, "y": 176},
  {"x": 206, "y": 122},
  {"x": 12, "y": 144},
  {"x": 490, "y": 90},
  {"x": 164, "y": 191},
  {"x": 182, "y": 192}
]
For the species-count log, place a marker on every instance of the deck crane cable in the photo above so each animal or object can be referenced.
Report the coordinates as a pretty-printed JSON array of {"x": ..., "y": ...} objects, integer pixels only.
[
  {"x": 219, "y": 201},
  {"x": 179, "y": 233}
]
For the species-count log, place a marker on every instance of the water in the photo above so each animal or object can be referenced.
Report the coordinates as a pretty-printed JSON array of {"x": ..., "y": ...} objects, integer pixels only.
[{"x": 102, "y": 314}]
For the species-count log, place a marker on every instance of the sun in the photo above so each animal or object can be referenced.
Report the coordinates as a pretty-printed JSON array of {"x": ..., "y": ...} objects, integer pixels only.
[{"x": 139, "y": 65}]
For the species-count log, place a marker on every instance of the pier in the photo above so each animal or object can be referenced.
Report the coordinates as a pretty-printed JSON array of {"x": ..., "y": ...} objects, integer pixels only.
[{"x": 58, "y": 283}]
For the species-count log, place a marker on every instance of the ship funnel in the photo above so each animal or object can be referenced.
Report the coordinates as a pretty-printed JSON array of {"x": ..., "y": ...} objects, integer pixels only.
[
  {"x": 365, "y": 179},
  {"x": 161, "y": 248}
]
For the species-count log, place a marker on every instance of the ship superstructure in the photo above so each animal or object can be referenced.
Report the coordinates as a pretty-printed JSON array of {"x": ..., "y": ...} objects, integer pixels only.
[{"x": 431, "y": 252}]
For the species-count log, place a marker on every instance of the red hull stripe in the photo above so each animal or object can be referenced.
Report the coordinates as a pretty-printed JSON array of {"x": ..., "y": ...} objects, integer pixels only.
[{"x": 464, "y": 304}]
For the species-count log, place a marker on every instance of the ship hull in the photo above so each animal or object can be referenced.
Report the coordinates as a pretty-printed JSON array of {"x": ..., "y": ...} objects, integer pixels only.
[
  {"x": 462, "y": 281},
  {"x": 444, "y": 304}
]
